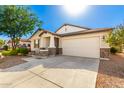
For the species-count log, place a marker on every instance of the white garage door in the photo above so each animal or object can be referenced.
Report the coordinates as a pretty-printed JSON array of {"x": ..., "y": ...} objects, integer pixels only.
[{"x": 84, "y": 47}]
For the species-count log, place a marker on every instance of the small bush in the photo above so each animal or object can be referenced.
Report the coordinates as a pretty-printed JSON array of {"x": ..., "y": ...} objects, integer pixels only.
[
  {"x": 113, "y": 50},
  {"x": 23, "y": 51},
  {"x": 5, "y": 47},
  {"x": 9, "y": 53},
  {"x": 6, "y": 53},
  {"x": 18, "y": 50},
  {"x": 13, "y": 52}
]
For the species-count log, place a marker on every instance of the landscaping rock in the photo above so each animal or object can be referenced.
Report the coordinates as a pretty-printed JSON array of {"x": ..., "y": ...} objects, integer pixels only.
[{"x": 1, "y": 56}]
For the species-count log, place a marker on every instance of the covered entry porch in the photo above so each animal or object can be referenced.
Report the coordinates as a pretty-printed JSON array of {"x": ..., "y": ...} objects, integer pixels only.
[{"x": 47, "y": 44}]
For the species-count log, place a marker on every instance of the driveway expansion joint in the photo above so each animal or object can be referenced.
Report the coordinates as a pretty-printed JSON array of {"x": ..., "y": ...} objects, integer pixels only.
[
  {"x": 46, "y": 79},
  {"x": 17, "y": 83}
]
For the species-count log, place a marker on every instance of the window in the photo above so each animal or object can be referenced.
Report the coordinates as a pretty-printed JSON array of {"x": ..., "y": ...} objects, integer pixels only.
[
  {"x": 24, "y": 45},
  {"x": 36, "y": 43},
  {"x": 29, "y": 45}
]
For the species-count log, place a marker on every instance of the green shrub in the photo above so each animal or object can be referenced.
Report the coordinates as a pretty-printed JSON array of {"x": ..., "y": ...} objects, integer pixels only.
[
  {"x": 10, "y": 53},
  {"x": 5, "y": 47},
  {"x": 23, "y": 51},
  {"x": 13, "y": 52},
  {"x": 6, "y": 53},
  {"x": 113, "y": 50},
  {"x": 18, "y": 50}
]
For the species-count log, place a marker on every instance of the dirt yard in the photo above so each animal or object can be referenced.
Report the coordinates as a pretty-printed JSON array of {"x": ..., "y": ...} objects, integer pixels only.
[
  {"x": 111, "y": 73},
  {"x": 11, "y": 61}
]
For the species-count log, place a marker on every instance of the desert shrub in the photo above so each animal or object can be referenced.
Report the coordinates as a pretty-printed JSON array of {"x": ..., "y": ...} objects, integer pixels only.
[
  {"x": 13, "y": 52},
  {"x": 6, "y": 53},
  {"x": 18, "y": 50},
  {"x": 5, "y": 47},
  {"x": 113, "y": 50},
  {"x": 9, "y": 53},
  {"x": 23, "y": 51}
]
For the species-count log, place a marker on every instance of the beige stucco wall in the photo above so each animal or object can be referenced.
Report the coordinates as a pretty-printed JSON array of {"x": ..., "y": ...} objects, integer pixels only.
[
  {"x": 34, "y": 37},
  {"x": 98, "y": 34},
  {"x": 68, "y": 29},
  {"x": 43, "y": 39},
  {"x": 46, "y": 39}
]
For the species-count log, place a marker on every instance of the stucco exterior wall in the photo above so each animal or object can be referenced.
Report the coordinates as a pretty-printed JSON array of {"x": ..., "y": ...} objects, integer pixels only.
[
  {"x": 98, "y": 34},
  {"x": 103, "y": 46},
  {"x": 43, "y": 39},
  {"x": 32, "y": 44},
  {"x": 35, "y": 37},
  {"x": 68, "y": 29}
]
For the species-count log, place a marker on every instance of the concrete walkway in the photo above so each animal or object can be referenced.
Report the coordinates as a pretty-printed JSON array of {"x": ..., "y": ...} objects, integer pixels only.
[{"x": 52, "y": 72}]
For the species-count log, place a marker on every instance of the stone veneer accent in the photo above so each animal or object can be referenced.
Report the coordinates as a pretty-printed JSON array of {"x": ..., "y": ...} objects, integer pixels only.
[
  {"x": 52, "y": 51},
  {"x": 55, "y": 51},
  {"x": 40, "y": 53},
  {"x": 59, "y": 51},
  {"x": 44, "y": 53},
  {"x": 104, "y": 52},
  {"x": 31, "y": 53}
]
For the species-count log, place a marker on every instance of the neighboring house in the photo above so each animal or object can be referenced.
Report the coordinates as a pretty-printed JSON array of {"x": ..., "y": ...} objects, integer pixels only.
[
  {"x": 22, "y": 42},
  {"x": 72, "y": 40}
]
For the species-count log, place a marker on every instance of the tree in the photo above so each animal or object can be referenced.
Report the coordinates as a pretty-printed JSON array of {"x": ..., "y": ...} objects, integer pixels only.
[
  {"x": 17, "y": 21},
  {"x": 1, "y": 42},
  {"x": 116, "y": 37}
]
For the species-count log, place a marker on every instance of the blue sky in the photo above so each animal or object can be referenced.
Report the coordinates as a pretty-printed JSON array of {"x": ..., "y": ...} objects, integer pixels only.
[{"x": 93, "y": 17}]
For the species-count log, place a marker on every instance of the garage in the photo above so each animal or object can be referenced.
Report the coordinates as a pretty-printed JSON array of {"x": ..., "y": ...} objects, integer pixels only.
[{"x": 83, "y": 47}]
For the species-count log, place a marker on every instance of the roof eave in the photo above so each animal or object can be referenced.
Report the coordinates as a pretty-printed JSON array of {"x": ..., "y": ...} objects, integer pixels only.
[
  {"x": 72, "y": 34},
  {"x": 45, "y": 31}
]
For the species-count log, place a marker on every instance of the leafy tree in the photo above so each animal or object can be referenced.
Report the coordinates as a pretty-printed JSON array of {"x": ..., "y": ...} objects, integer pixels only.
[
  {"x": 1, "y": 42},
  {"x": 17, "y": 21},
  {"x": 116, "y": 37}
]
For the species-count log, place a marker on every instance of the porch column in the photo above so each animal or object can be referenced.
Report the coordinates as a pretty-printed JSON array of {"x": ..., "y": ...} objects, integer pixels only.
[
  {"x": 41, "y": 42},
  {"x": 52, "y": 42},
  {"x": 52, "y": 48}
]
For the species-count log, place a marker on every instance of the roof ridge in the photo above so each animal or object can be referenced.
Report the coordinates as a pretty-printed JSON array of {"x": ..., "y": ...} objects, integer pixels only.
[
  {"x": 78, "y": 26},
  {"x": 72, "y": 25}
]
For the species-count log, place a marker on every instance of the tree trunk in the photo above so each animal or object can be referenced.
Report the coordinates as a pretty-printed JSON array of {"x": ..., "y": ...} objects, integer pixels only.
[{"x": 13, "y": 44}]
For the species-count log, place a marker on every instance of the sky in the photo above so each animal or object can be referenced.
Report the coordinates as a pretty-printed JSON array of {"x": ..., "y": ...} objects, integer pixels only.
[{"x": 102, "y": 16}]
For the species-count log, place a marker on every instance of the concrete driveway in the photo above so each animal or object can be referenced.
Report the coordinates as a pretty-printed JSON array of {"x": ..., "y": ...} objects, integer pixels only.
[{"x": 52, "y": 72}]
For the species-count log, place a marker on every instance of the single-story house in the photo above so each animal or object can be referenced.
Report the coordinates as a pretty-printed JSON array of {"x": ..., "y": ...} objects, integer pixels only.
[
  {"x": 22, "y": 42},
  {"x": 72, "y": 40}
]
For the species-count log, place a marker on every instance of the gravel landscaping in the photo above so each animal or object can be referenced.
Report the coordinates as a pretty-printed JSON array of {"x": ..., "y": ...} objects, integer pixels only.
[
  {"x": 10, "y": 61},
  {"x": 111, "y": 73}
]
